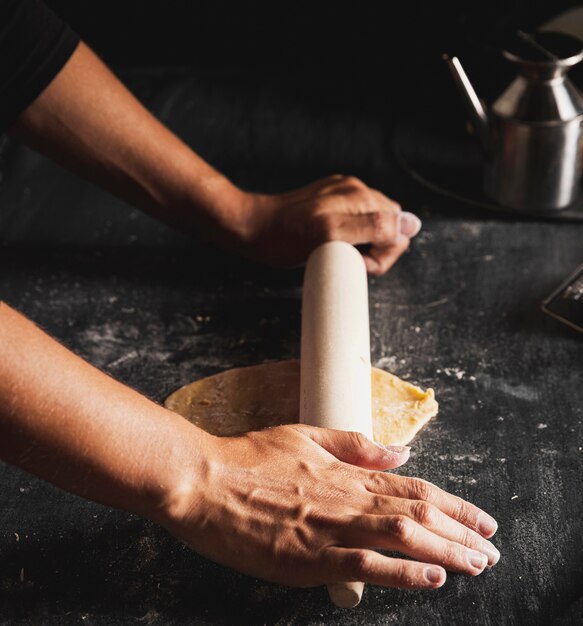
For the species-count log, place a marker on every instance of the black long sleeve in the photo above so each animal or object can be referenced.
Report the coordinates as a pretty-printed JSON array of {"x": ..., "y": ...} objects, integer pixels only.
[{"x": 34, "y": 45}]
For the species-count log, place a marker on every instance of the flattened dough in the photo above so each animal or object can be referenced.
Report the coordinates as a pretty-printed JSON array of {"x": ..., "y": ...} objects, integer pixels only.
[{"x": 251, "y": 398}]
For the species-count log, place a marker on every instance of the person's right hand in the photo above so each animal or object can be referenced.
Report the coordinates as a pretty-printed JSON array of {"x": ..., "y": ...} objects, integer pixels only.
[
  {"x": 284, "y": 228},
  {"x": 305, "y": 506}
]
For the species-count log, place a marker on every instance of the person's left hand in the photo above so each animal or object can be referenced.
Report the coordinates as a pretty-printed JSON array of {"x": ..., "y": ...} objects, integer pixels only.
[{"x": 285, "y": 228}]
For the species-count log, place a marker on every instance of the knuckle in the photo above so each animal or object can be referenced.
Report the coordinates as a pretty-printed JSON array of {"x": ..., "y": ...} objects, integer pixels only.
[
  {"x": 452, "y": 553},
  {"x": 387, "y": 226},
  {"x": 378, "y": 482},
  {"x": 366, "y": 201},
  {"x": 358, "y": 563},
  {"x": 400, "y": 527},
  {"x": 467, "y": 537},
  {"x": 381, "y": 224},
  {"x": 361, "y": 452},
  {"x": 461, "y": 510},
  {"x": 360, "y": 444},
  {"x": 377, "y": 503},
  {"x": 354, "y": 183},
  {"x": 421, "y": 489},
  {"x": 401, "y": 574},
  {"x": 358, "y": 438},
  {"x": 423, "y": 512},
  {"x": 323, "y": 226},
  {"x": 302, "y": 429}
]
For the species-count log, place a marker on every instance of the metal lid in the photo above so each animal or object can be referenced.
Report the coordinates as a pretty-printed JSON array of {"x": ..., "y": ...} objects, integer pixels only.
[
  {"x": 544, "y": 50},
  {"x": 541, "y": 93}
]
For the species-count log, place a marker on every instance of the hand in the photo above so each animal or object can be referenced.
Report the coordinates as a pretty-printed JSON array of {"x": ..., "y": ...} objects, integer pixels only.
[
  {"x": 305, "y": 506},
  {"x": 287, "y": 227}
]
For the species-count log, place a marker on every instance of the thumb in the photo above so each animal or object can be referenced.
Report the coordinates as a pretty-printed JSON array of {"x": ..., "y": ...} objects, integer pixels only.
[{"x": 357, "y": 449}]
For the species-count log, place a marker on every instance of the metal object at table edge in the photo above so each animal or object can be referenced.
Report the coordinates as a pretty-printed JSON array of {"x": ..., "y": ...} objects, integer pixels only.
[
  {"x": 532, "y": 136},
  {"x": 545, "y": 304}
]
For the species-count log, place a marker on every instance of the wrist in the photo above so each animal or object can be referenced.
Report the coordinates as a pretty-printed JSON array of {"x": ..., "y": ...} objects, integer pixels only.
[
  {"x": 258, "y": 211},
  {"x": 180, "y": 482},
  {"x": 216, "y": 211}
]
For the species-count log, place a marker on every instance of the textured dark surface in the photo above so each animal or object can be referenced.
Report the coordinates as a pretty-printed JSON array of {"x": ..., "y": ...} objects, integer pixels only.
[{"x": 459, "y": 313}]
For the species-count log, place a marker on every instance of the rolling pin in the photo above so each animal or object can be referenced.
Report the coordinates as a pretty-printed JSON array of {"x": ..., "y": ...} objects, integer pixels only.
[{"x": 335, "y": 370}]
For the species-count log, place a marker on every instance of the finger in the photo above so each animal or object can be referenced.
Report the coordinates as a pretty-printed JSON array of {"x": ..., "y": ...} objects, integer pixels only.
[
  {"x": 371, "y": 567},
  {"x": 376, "y": 227},
  {"x": 359, "y": 199},
  {"x": 408, "y": 223},
  {"x": 385, "y": 203},
  {"x": 430, "y": 517},
  {"x": 380, "y": 259},
  {"x": 401, "y": 533},
  {"x": 356, "y": 449},
  {"x": 350, "y": 188},
  {"x": 417, "y": 489}
]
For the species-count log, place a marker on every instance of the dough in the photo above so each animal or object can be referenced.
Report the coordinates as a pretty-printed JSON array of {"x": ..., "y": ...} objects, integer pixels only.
[{"x": 251, "y": 398}]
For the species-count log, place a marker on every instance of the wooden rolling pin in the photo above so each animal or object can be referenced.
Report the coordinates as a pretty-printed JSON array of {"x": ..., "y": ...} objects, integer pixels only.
[{"x": 335, "y": 383}]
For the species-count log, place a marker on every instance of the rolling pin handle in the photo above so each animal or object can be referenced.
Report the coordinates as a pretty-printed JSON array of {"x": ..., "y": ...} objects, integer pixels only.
[{"x": 346, "y": 595}]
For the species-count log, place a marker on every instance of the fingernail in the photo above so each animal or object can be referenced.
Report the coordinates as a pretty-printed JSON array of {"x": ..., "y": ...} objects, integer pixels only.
[
  {"x": 394, "y": 449},
  {"x": 409, "y": 224},
  {"x": 477, "y": 559},
  {"x": 434, "y": 575},
  {"x": 487, "y": 525},
  {"x": 492, "y": 553}
]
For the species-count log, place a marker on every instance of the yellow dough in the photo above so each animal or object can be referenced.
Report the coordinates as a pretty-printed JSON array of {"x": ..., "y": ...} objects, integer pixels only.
[{"x": 251, "y": 398}]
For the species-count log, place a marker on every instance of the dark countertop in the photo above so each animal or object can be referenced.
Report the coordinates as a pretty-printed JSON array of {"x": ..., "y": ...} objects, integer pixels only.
[{"x": 459, "y": 313}]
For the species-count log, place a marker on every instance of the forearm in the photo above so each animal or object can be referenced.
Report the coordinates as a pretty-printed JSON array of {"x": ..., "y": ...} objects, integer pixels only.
[
  {"x": 88, "y": 121},
  {"x": 69, "y": 423}
]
